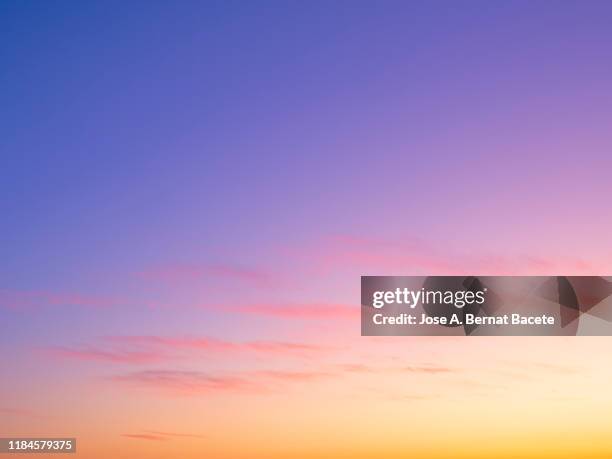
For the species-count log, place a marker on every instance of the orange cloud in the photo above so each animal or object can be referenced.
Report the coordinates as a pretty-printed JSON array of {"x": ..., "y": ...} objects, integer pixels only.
[
  {"x": 177, "y": 435},
  {"x": 427, "y": 369},
  {"x": 153, "y": 435}
]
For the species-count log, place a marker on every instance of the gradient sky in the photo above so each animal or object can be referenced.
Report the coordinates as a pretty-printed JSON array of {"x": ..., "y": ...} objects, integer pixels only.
[{"x": 190, "y": 191}]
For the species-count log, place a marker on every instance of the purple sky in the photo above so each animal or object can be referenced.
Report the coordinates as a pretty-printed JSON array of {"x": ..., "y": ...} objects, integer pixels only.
[{"x": 194, "y": 168}]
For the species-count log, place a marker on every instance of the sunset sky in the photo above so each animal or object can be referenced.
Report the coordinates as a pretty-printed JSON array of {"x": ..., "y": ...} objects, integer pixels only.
[{"x": 190, "y": 192}]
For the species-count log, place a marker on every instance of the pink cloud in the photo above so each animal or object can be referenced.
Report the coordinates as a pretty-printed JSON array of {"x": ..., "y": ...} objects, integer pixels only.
[
  {"x": 185, "y": 382},
  {"x": 299, "y": 311},
  {"x": 292, "y": 376},
  {"x": 414, "y": 256},
  {"x": 202, "y": 343},
  {"x": 19, "y": 299},
  {"x": 113, "y": 356},
  {"x": 9, "y": 412},
  {"x": 199, "y": 383},
  {"x": 256, "y": 381},
  {"x": 139, "y": 350},
  {"x": 374, "y": 255},
  {"x": 17, "y": 412},
  {"x": 177, "y": 273},
  {"x": 217, "y": 345}
]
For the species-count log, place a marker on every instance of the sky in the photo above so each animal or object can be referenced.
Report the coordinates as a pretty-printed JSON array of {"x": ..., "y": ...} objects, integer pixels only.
[{"x": 191, "y": 191}]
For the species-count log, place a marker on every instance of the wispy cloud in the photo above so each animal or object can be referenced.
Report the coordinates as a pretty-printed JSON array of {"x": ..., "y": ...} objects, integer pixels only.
[
  {"x": 218, "y": 345},
  {"x": 423, "y": 369},
  {"x": 176, "y": 435},
  {"x": 145, "y": 436},
  {"x": 427, "y": 369},
  {"x": 292, "y": 376},
  {"x": 410, "y": 397},
  {"x": 200, "y": 383},
  {"x": 416, "y": 256},
  {"x": 17, "y": 412},
  {"x": 299, "y": 311},
  {"x": 185, "y": 272},
  {"x": 186, "y": 382},
  {"x": 10, "y": 412},
  {"x": 256, "y": 381},
  {"x": 347, "y": 251},
  {"x": 154, "y": 435},
  {"x": 21, "y": 299},
  {"x": 146, "y": 349},
  {"x": 102, "y": 355}
]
